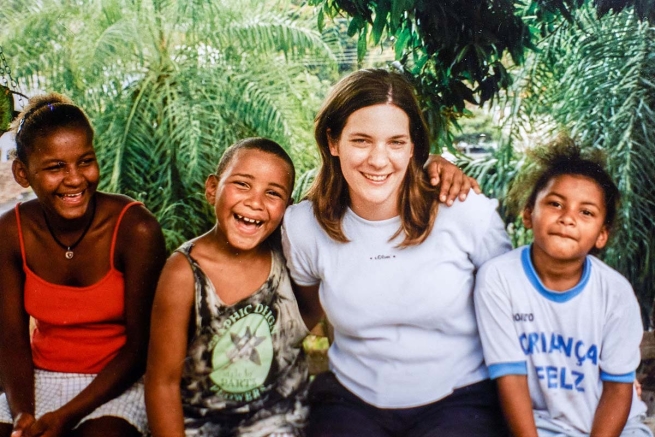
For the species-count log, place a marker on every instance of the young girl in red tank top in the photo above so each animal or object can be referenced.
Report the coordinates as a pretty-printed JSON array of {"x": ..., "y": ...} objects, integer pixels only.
[{"x": 84, "y": 265}]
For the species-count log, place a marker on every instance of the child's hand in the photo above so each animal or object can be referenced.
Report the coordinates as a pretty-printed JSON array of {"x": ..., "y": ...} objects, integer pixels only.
[
  {"x": 22, "y": 423},
  {"x": 453, "y": 181},
  {"x": 49, "y": 425}
]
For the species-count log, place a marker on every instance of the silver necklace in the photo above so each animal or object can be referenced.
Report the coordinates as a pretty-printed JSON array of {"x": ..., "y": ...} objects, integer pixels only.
[{"x": 69, "y": 249}]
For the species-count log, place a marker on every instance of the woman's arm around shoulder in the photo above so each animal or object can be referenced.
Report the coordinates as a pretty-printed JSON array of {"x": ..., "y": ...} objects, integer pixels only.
[
  {"x": 16, "y": 368},
  {"x": 452, "y": 180},
  {"x": 477, "y": 219},
  {"x": 171, "y": 315}
]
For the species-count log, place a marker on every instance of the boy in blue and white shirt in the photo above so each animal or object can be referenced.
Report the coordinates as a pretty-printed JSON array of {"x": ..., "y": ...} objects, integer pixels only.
[{"x": 560, "y": 329}]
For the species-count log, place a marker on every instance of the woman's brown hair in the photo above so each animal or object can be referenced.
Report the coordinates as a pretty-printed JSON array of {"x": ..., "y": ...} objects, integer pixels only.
[{"x": 329, "y": 193}]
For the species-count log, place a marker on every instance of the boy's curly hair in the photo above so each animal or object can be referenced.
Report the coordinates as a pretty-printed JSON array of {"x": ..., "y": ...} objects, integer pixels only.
[{"x": 563, "y": 156}]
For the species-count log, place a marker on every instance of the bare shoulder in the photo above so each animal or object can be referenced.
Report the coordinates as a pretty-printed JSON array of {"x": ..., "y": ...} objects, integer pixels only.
[
  {"x": 139, "y": 242},
  {"x": 8, "y": 224},
  {"x": 28, "y": 210},
  {"x": 31, "y": 215},
  {"x": 9, "y": 234},
  {"x": 137, "y": 222},
  {"x": 177, "y": 266},
  {"x": 176, "y": 283},
  {"x": 203, "y": 250}
]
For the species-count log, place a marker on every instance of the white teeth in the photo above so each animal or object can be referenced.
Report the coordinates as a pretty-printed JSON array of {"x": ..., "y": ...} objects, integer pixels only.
[
  {"x": 71, "y": 195},
  {"x": 249, "y": 220},
  {"x": 375, "y": 178}
]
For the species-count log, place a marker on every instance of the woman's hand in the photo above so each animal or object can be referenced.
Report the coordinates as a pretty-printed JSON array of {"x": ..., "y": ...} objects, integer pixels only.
[{"x": 454, "y": 183}]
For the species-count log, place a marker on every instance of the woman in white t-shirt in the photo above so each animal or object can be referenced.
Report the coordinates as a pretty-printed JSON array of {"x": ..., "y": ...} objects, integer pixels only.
[{"x": 393, "y": 270}]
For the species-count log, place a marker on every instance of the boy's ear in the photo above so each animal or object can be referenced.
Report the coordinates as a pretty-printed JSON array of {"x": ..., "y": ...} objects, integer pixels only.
[
  {"x": 602, "y": 238},
  {"x": 20, "y": 173},
  {"x": 211, "y": 185},
  {"x": 527, "y": 218}
]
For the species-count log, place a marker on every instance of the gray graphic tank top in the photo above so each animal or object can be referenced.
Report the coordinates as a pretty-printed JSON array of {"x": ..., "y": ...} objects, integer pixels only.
[{"x": 245, "y": 372}]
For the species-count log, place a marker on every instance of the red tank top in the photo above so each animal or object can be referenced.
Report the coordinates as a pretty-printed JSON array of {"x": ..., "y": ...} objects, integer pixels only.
[{"x": 78, "y": 329}]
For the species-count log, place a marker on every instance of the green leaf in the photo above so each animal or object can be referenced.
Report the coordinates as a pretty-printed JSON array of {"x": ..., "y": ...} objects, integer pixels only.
[
  {"x": 320, "y": 20},
  {"x": 362, "y": 43},
  {"x": 397, "y": 18},
  {"x": 401, "y": 41},
  {"x": 355, "y": 26},
  {"x": 381, "y": 13}
]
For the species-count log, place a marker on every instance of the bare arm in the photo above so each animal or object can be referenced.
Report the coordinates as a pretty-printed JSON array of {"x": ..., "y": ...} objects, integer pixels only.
[
  {"x": 517, "y": 405},
  {"x": 309, "y": 304},
  {"x": 453, "y": 181},
  {"x": 16, "y": 368},
  {"x": 141, "y": 251},
  {"x": 168, "y": 344},
  {"x": 613, "y": 409}
]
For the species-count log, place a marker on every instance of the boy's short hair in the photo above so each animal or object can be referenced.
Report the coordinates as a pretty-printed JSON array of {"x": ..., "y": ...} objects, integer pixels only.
[
  {"x": 564, "y": 157},
  {"x": 256, "y": 143}
]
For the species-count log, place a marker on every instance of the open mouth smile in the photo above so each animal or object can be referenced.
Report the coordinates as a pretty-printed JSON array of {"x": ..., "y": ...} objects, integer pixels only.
[
  {"x": 248, "y": 221},
  {"x": 71, "y": 197}
]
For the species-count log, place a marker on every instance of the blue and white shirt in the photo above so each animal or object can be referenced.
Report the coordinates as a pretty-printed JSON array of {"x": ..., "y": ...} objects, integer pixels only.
[{"x": 567, "y": 343}]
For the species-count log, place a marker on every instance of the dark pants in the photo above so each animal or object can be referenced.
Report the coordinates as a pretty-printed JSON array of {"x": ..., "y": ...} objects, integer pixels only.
[{"x": 471, "y": 411}]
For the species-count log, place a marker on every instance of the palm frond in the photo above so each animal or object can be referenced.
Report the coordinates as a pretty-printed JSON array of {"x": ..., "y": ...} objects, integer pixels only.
[{"x": 594, "y": 80}]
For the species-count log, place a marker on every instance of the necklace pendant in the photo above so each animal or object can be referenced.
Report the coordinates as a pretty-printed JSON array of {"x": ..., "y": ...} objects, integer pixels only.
[{"x": 69, "y": 254}]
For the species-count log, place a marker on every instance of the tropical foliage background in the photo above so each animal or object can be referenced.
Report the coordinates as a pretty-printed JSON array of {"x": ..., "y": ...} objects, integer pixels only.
[
  {"x": 170, "y": 83},
  {"x": 595, "y": 80}
]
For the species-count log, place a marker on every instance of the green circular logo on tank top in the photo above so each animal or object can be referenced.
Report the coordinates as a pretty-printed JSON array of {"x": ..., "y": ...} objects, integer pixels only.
[{"x": 242, "y": 357}]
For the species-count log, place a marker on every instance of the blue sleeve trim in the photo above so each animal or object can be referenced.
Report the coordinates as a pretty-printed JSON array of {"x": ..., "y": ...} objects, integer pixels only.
[
  {"x": 626, "y": 377},
  {"x": 502, "y": 369}
]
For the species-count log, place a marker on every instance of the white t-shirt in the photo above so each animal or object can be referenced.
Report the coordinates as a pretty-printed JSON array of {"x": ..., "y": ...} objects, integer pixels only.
[
  {"x": 567, "y": 343},
  {"x": 404, "y": 327}
]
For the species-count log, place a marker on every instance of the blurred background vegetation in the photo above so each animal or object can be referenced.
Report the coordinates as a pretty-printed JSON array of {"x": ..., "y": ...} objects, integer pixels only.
[{"x": 170, "y": 83}]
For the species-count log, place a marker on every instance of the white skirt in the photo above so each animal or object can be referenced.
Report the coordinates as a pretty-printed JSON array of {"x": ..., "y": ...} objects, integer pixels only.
[{"x": 55, "y": 389}]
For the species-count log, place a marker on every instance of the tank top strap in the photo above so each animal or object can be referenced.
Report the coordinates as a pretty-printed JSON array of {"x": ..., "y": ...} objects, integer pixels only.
[
  {"x": 20, "y": 234},
  {"x": 118, "y": 224}
]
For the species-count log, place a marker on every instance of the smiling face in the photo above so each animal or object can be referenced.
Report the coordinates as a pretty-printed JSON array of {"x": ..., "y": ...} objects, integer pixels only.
[
  {"x": 374, "y": 151},
  {"x": 568, "y": 219},
  {"x": 249, "y": 198},
  {"x": 62, "y": 170}
]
